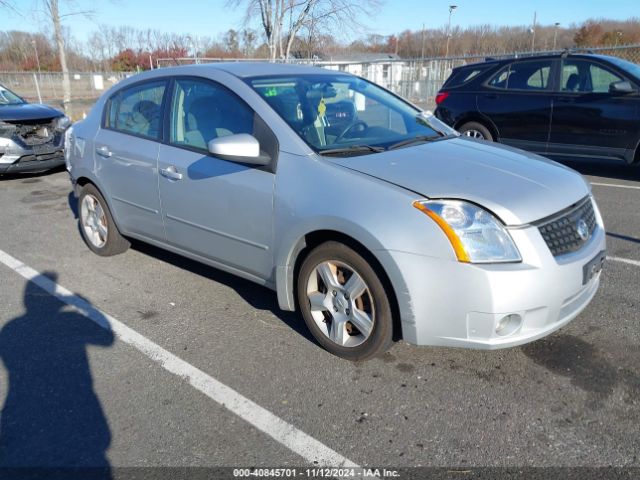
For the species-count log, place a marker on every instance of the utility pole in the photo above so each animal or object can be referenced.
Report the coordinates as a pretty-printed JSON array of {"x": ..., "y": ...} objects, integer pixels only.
[
  {"x": 193, "y": 46},
  {"x": 54, "y": 14},
  {"x": 35, "y": 49},
  {"x": 618, "y": 35},
  {"x": 451, "y": 9},
  {"x": 555, "y": 34},
  {"x": 423, "y": 35},
  {"x": 533, "y": 32}
]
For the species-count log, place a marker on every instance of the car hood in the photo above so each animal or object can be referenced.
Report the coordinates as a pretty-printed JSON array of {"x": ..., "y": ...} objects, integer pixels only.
[
  {"x": 516, "y": 186},
  {"x": 28, "y": 111}
]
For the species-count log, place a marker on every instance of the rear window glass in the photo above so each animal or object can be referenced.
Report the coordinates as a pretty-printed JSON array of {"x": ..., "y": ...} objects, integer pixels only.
[
  {"x": 532, "y": 75},
  {"x": 137, "y": 109},
  {"x": 463, "y": 76}
]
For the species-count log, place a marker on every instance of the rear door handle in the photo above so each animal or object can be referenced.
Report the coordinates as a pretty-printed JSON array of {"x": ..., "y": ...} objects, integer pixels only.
[
  {"x": 566, "y": 100},
  {"x": 492, "y": 96},
  {"x": 171, "y": 173},
  {"x": 103, "y": 151}
]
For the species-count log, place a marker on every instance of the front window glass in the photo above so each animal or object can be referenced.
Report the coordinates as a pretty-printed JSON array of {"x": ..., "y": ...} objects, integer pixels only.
[
  {"x": 334, "y": 112},
  {"x": 601, "y": 78},
  {"x": 7, "y": 97},
  {"x": 632, "y": 68},
  {"x": 586, "y": 77},
  {"x": 203, "y": 110},
  {"x": 137, "y": 110}
]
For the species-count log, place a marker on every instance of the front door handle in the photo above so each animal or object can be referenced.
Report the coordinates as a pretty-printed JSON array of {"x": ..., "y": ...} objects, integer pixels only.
[
  {"x": 103, "y": 151},
  {"x": 171, "y": 173},
  {"x": 491, "y": 96}
]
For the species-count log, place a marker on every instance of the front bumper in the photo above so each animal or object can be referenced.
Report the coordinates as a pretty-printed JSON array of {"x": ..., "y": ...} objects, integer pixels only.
[
  {"x": 456, "y": 304},
  {"x": 20, "y": 158}
]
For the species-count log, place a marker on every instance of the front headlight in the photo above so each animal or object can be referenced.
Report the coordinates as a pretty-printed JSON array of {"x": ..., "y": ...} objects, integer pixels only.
[
  {"x": 6, "y": 129},
  {"x": 62, "y": 123},
  {"x": 475, "y": 235}
]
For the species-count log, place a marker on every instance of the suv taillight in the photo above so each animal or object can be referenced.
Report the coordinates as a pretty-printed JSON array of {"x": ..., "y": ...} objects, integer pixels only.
[{"x": 441, "y": 97}]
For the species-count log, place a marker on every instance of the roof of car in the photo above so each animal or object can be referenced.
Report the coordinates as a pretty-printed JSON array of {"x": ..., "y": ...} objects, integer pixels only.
[
  {"x": 526, "y": 57},
  {"x": 254, "y": 69}
]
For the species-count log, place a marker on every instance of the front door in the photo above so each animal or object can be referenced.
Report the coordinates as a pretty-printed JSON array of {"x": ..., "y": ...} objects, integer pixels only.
[
  {"x": 214, "y": 208},
  {"x": 588, "y": 120}
]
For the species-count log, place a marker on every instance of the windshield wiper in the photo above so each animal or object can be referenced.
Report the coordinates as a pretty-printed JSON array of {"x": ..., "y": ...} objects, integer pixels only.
[
  {"x": 418, "y": 139},
  {"x": 352, "y": 149}
]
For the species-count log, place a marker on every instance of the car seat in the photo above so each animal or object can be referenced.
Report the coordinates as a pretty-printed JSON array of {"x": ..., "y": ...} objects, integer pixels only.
[
  {"x": 145, "y": 118},
  {"x": 202, "y": 122},
  {"x": 573, "y": 83}
]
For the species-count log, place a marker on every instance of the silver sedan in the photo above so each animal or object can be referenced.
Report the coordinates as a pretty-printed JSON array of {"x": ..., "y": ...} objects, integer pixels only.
[{"x": 373, "y": 219}]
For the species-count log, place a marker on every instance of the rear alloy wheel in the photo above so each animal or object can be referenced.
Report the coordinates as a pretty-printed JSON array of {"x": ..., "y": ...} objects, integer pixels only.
[
  {"x": 344, "y": 303},
  {"x": 96, "y": 224},
  {"x": 476, "y": 130}
]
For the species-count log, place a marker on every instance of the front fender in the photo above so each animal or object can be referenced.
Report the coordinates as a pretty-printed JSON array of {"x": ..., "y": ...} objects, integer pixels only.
[{"x": 317, "y": 195}]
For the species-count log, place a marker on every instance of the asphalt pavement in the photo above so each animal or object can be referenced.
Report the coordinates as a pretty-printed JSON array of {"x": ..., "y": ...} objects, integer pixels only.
[{"x": 82, "y": 395}]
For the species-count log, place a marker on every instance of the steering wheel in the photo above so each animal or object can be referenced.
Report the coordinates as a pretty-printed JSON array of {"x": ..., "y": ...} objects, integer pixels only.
[{"x": 357, "y": 123}]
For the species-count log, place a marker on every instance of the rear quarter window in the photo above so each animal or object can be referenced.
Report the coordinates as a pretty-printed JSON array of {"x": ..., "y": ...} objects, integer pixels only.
[{"x": 464, "y": 75}]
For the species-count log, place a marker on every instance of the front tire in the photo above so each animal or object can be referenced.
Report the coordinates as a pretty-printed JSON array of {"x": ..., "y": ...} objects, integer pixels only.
[
  {"x": 344, "y": 303},
  {"x": 477, "y": 131},
  {"x": 97, "y": 227}
]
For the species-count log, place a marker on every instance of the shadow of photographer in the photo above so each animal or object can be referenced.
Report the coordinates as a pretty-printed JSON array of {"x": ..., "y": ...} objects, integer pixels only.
[{"x": 52, "y": 417}]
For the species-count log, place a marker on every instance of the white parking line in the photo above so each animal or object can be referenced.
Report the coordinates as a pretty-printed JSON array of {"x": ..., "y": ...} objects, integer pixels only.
[
  {"x": 615, "y": 185},
  {"x": 624, "y": 260},
  {"x": 313, "y": 451}
]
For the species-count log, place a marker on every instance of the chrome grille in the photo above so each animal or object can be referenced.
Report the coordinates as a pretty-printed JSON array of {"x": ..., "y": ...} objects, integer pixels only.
[{"x": 569, "y": 230}]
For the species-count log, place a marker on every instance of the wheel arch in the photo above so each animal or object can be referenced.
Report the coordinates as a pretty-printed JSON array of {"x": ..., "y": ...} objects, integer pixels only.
[
  {"x": 81, "y": 180},
  {"x": 481, "y": 119},
  {"x": 287, "y": 274}
]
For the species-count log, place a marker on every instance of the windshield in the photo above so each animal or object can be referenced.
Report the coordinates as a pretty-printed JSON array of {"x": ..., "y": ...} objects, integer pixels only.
[
  {"x": 346, "y": 114},
  {"x": 7, "y": 97},
  {"x": 632, "y": 68}
]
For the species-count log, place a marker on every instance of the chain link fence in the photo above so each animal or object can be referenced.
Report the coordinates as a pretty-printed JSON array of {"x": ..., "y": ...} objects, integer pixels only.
[
  {"x": 415, "y": 79},
  {"x": 46, "y": 87},
  {"x": 419, "y": 80}
]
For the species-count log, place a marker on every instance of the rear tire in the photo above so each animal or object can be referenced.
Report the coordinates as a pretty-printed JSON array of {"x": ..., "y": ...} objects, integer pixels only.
[
  {"x": 97, "y": 227},
  {"x": 477, "y": 131},
  {"x": 344, "y": 303}
]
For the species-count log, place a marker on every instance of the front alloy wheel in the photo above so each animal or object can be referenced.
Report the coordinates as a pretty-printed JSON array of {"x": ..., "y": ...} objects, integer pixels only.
[
  {"x": 344, "y": 302},
  {"x": 341, "y": 303}
]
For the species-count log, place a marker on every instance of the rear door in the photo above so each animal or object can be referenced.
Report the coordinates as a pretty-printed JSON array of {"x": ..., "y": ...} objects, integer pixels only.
[
  {"x": 126, "y": 155},
  {"x": 517, "y": 99},
  {"x": 588, "y": 120}
]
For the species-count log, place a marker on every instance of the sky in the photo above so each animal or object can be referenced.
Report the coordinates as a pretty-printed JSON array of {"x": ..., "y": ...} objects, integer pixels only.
[{"x": 213, "y": 17}]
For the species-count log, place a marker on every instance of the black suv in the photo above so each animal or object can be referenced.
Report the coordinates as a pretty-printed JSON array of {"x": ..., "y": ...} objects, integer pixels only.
[{"x": 572, "y": 105}]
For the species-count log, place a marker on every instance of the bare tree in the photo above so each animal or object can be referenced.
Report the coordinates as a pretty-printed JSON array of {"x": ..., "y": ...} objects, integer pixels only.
[
  {"x": 282, "y": 20},
  {"x": 54, "y": 14}
]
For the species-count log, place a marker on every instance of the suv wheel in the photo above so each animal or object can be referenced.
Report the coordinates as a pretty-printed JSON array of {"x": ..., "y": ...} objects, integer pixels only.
[{"x": 476, "y": 130}]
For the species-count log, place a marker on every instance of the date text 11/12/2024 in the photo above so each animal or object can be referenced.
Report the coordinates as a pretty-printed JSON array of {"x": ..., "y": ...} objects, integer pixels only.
[{"x": 319, "y": 472}]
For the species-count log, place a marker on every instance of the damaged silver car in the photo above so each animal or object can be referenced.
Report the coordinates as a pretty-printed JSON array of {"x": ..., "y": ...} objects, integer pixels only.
[{"x": 31, "y": 135}]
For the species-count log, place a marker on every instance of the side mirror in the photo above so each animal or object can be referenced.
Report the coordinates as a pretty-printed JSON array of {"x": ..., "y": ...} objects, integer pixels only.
[
  {"x": 621, "y": 87},
  {"x": 241, "y": 148}
]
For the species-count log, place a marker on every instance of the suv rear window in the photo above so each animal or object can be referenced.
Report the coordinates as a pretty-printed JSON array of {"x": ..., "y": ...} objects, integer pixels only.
[{"x": 463, "y": 75}]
